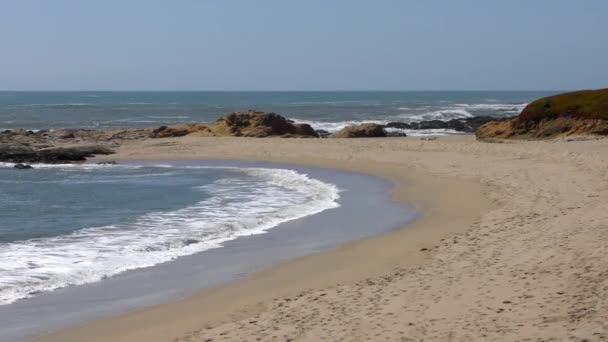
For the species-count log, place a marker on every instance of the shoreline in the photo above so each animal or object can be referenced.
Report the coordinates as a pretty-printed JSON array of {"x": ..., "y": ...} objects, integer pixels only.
[
  {"x": 362, "y": 197},
  {"x": 404, "y": 186},
  {"x": 460, "y": 186}
]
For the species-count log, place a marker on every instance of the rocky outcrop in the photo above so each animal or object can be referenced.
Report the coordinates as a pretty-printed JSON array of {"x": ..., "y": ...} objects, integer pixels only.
[
  {"x": 19, "y": 153},
  {"x": 495, "y": 130},
  {"x": 240, "y": 124},
  {"x": 576, "y": 113},
  {"x": 260, "y": 125},
  {"x": 322, "y": 133},
  {"x": 49, "y": 138},
  {"x": 23, "y": 166},
  {"x": 171, "y": 132},
  {"x": 465, "y": 125},
  {"x": 366, "y": 130}
]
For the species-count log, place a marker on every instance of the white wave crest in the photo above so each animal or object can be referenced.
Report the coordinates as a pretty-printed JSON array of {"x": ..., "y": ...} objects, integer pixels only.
[
  {"x": 423, "y": 132},
  {"x": 425, "y": 113},
  {"x": 170, "y": 117},
  {"x": 443, "y": 114},
  {"x": 272, "y": 196},
  {"x": 497, "y": 107},
  {"x": 336, "y": 126}
]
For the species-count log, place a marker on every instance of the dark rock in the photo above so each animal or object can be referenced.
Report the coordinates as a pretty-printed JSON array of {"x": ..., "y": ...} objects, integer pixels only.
[
  {"x": 395, "y": 134},
  {"x": 65, "y": 134},
  {"x": 23, "y": 166},
  {"x": 75, "y": 153},
  {"x": 466, "y": 125},
  {"x": 170, "y": 132},
  {"x": 188, "y": 242},
  {"x": 16, "y": 153},
  {"x": 160, "y": 129},
  {"x": 19, "y": 153},
  {"x": 323, "y": 133},
  {"x": 400, "y": 125},
  {"x": 110, "y": 162},
  {"x": 366, "y": 130},
  {"x": 304, "y": 130}
]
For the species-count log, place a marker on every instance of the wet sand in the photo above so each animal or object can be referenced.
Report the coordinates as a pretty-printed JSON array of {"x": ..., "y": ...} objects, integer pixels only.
[
  {"x": 510, "y": 246},
  {"x": 365, "y": 209}
]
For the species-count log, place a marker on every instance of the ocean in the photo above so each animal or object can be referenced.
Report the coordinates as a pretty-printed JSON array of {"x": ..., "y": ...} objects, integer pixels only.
[
  {"x": 81, "y": 242},
  {"x": 65, "y": 225},
  {"x": 328, "y": 111}
]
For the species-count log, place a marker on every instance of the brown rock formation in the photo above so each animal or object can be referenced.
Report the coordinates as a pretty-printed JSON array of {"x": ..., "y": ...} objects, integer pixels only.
[
  {"x": 367, "y": 130},
  {"x": 576, "y": 113},
  {"x": 241, "y": 124}
]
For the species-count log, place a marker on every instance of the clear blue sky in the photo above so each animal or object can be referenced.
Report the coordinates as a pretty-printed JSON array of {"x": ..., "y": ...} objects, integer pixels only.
[{"x": 303, "y": 45}]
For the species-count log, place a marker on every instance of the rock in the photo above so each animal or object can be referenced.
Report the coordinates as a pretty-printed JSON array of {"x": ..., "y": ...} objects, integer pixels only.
[
  {"x": 304, "y": 130},
  {"x": 366, "y": 130},
  {"x": 110, "y": 162},
  {"x": 19, "y": 153},
  {"x": 466, "y": 125},
  {"x": 395, "y": 134},
  {"x": 322, "y": 133},
  {"x": 169, "y": 132},
  {"x": 495, "y": 130},
  {"x": 160, "y": 129},
  {"x": 574, "y": 113},
  {"x": 16, "y": 153},
  {"x": 260, "y": 125},
  {"x": 74, "y": 153},
  {"x": 240, "y": 124},
  {"x": 23, "y": 166},
  {"x": 63, "y": 134}
]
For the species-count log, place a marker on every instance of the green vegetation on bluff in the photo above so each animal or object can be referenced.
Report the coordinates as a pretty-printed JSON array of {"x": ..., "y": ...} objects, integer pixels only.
[
  {"x": 582, "y": 112},
  {"x": 584, "y": 104}
]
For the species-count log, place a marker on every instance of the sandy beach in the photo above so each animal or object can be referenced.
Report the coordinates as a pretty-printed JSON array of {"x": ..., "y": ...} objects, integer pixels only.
[{"x": 510, "y": 246}]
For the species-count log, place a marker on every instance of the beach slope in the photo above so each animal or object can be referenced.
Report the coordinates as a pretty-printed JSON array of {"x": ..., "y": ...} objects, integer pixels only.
[{"x": 511, "y": 245}]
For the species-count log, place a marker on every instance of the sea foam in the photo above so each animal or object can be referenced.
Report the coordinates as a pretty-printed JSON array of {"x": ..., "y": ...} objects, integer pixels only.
[
  {"x": 271, "y": 197},
  {"x": 423, "y": 113}
]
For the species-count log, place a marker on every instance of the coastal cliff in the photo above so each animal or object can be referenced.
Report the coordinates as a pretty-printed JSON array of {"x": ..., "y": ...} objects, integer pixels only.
[{"x": 576, "y": 113}]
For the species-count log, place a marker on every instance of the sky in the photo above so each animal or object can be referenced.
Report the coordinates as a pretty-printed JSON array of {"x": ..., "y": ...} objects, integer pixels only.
[{"x": 303, "y": 45}]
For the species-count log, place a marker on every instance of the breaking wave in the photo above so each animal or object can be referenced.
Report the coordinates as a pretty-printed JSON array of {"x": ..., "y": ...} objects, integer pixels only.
[{"x": 233, "y": 207}]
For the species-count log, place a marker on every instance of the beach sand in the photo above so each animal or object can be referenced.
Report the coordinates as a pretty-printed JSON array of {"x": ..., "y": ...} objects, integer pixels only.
[{"x": 511, "y": 246}]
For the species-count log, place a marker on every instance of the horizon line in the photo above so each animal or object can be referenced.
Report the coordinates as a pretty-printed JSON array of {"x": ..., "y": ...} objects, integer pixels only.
[{"x": 282, "y": 91}]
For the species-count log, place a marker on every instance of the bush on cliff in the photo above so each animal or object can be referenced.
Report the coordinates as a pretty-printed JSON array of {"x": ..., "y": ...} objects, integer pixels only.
[
  {"x": 584, "y": 104},
  {"x": 582, "y": 112}
]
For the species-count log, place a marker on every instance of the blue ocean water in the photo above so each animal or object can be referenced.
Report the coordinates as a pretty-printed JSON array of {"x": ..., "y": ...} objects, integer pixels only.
[
  {"x": 66, "y": 225},
  {"x": 365, "y": 209},
  {"x": 323, "y": 110}
]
